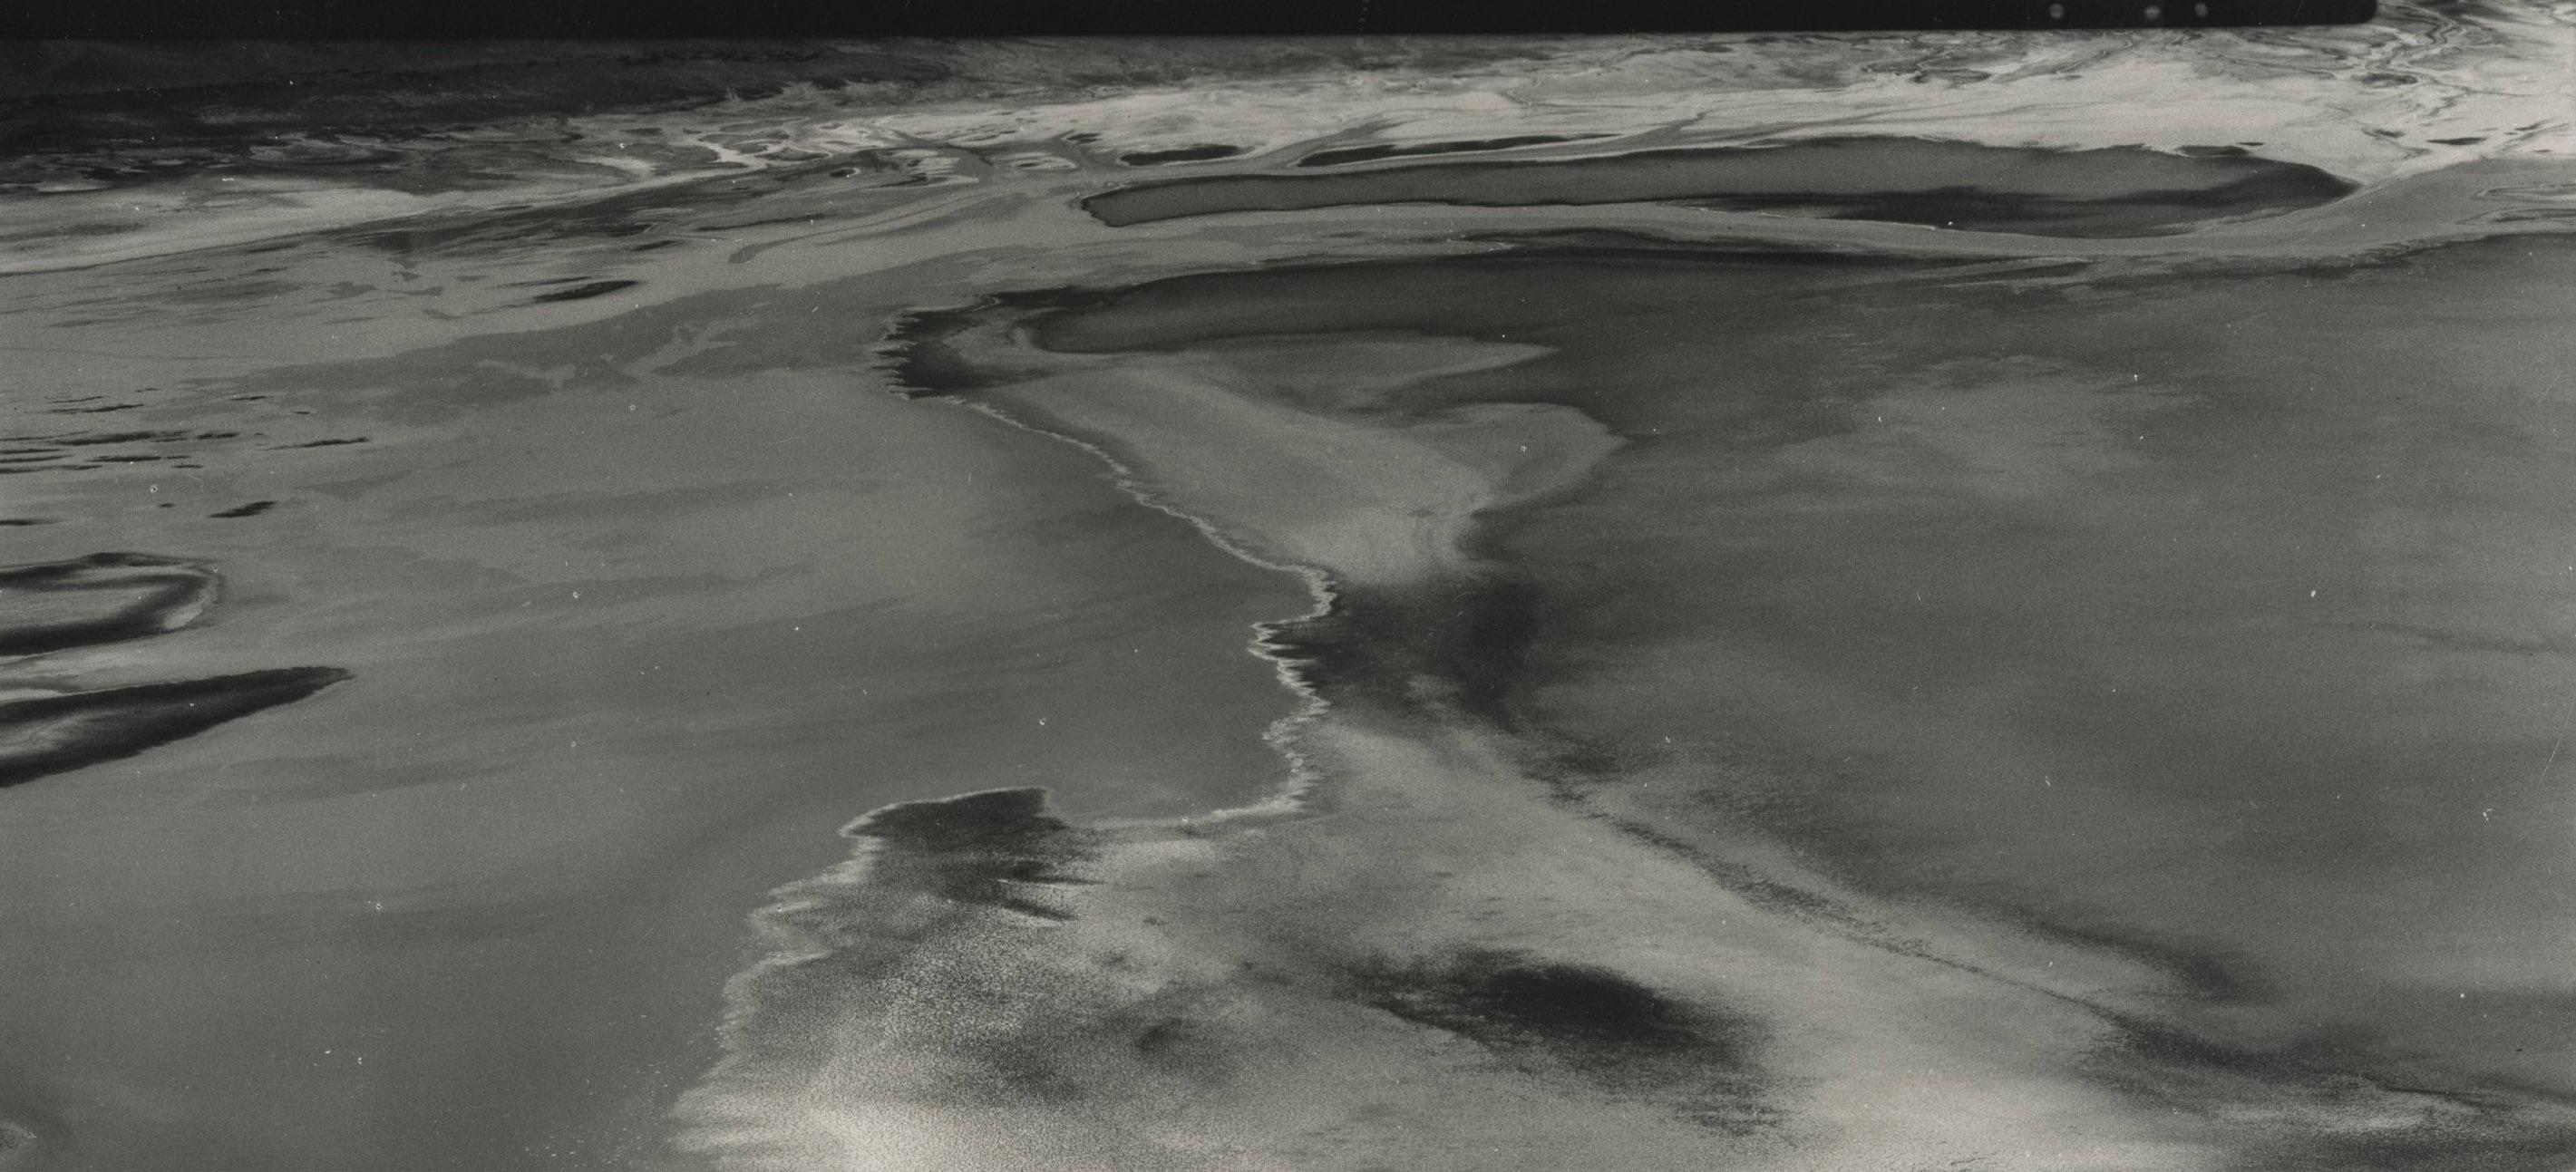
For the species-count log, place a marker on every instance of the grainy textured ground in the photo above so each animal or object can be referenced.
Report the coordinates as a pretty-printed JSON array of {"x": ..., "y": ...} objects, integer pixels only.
[{"x": 1751, "y": 677}]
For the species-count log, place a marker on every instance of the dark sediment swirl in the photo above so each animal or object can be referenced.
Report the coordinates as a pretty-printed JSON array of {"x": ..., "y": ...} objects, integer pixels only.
[
  {"x": 2111, "y": 191},
  {"x": 102, "y": 598},
  {"x": 51, "y": 734}
]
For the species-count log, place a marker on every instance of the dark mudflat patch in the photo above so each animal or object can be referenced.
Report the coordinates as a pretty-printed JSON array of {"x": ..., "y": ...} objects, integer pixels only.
[
  {"x": 998, "y": 848},
  {"x": 1550, "y": 1017},
  {"x": 1338, "y": 156},
  {"x": 51, "y": 734},
  {"x": 1456, "y": 642},
  {"x": 2111, "y": 191},
  {"x": 1188, "y": 154},
  {"x": 1508, "y": 998},
  {"x": 920, "y": 360},
  {"x": 252, "y": 509},
  {"x": 102, "y": 598},
  {"x": 585, "y": 291}
]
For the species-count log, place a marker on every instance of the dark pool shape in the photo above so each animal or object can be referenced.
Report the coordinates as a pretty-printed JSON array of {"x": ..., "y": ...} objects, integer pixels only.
[
  {"x": 51, "y": 734},
  {"x": 1516, "y": 999},
  {"x": 2109, "y": 191},
  {"x": 102, "y": 598}
]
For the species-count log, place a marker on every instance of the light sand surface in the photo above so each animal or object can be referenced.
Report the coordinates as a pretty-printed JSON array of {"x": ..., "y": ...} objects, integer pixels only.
[
  {"x": 1374, "y": 502},
  {"x": 1194, "y": 1010}
]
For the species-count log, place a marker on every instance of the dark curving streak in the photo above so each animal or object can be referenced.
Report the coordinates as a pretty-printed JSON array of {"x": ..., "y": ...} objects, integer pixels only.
[
  {"x": 2104, "y": 192},
  {"x": 584, "y": 291},
  {"x": 102, "y": 598},
  {"x": 1188, "y": 154},
  {"x": 51, "y": 734},
  {"x": 1398, "y": 150}
]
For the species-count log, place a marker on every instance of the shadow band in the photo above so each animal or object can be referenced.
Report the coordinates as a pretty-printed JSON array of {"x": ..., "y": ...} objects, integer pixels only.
[{"x": 51, "y": 734}]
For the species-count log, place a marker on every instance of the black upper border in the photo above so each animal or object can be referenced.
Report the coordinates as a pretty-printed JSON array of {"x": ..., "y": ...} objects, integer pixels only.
[{"x": 414, "y": 19}]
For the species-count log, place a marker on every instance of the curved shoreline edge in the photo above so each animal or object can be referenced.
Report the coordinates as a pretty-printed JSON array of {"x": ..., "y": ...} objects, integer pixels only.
[
  {"x": 1050, "y": 922},
  {"x": 921, "y": 868}
]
